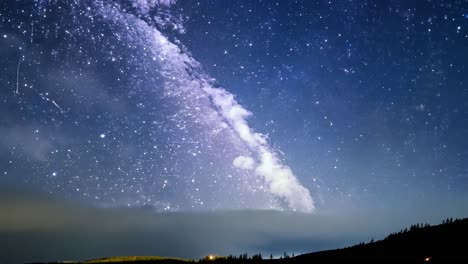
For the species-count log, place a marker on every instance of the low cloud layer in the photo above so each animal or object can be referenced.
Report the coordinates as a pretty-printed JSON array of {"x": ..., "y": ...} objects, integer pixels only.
[{"x": 36, "y": 228}]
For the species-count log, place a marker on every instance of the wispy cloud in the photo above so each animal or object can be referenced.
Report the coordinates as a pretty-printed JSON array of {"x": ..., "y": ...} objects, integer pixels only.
[
  {"x": 243, "y": 162},
  {"x": 144, "y": 6}
]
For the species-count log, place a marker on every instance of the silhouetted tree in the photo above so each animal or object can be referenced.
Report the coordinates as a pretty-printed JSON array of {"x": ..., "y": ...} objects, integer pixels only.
[
  {"x": 257, "y": 257},
  {"x": 448, "y": 221}
]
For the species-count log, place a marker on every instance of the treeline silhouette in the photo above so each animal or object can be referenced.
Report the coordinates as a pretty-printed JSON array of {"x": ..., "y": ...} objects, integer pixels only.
[
  {"x": 421, "y": 226},
  {"x": 242, "y": 258},
  {"x": 233, "y": 258},
  {"x": 420, "y": 243},
  {"x": 412, "y": 228}
]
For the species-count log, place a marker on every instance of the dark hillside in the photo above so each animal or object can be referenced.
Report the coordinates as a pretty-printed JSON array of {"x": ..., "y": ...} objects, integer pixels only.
[{"x": 420, "y": 243}]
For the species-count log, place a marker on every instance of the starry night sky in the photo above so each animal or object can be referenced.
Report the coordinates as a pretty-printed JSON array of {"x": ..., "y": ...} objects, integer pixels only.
[
  {"x": 182, "y": 121},
  {"x": 364, "y": 104},
  {"x": 367, "y": 100}
]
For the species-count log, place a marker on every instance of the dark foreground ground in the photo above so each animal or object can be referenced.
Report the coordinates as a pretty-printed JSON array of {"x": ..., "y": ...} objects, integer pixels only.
[{"x": 444, "y": 243}]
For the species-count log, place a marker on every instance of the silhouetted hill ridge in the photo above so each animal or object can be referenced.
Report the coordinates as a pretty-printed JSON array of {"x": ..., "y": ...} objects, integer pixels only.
[{"x": 445, "y": 243}]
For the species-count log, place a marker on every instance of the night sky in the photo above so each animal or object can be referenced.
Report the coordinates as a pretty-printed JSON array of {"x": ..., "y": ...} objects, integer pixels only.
[{"x": 183, "y": 106}]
